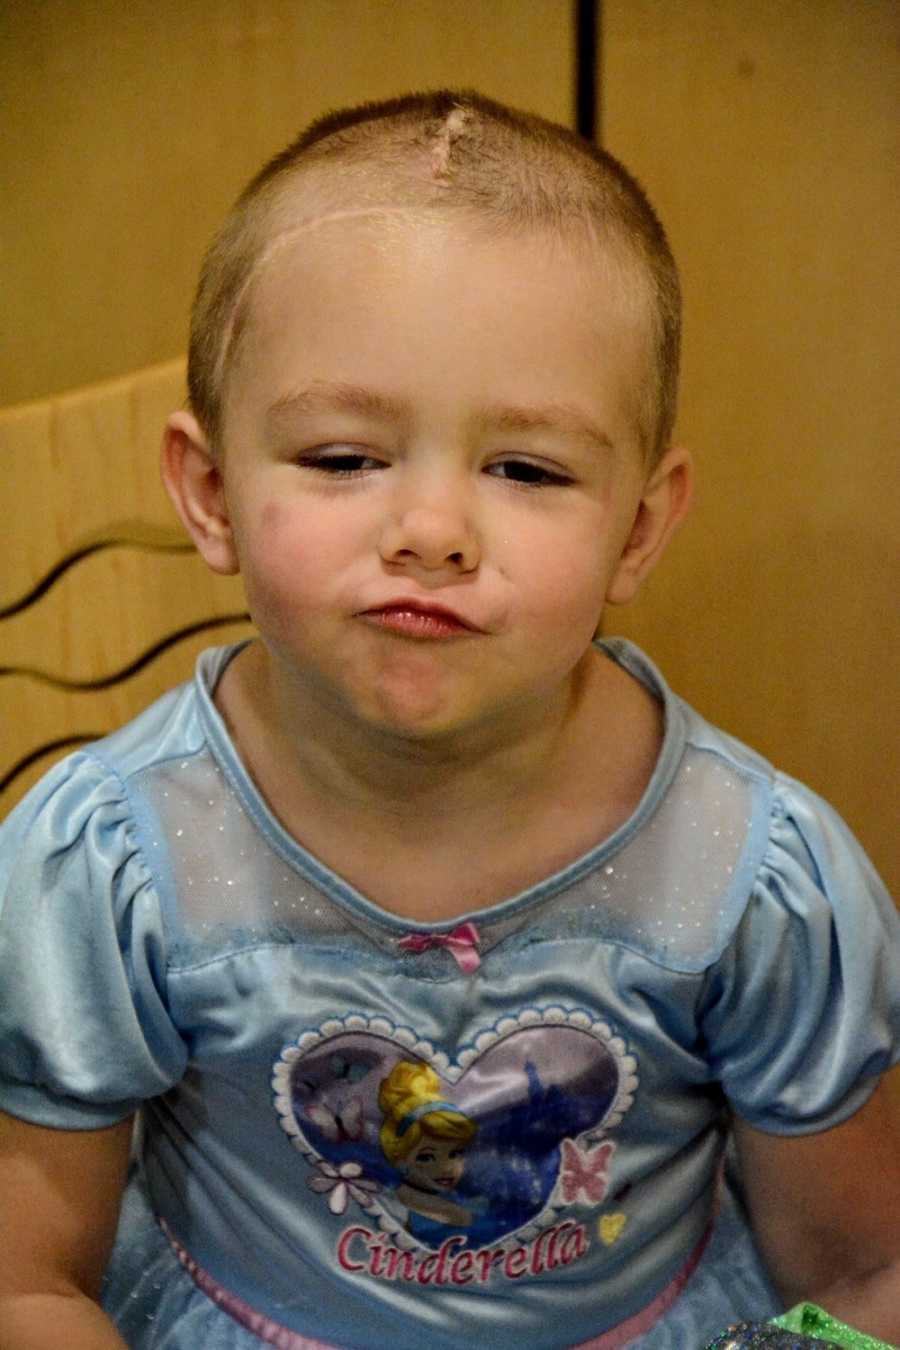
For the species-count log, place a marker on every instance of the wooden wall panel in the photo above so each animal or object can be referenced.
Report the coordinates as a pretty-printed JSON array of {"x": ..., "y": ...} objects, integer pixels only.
[
  {"x": 766, "y": 136},
  {"x": 80, "y": 468},
  {"x": 104, "y": 603},
  {"x": 34, "y": 714},
  {"x": 152, "y": 594},
  {"x": 130, "y": 128}
]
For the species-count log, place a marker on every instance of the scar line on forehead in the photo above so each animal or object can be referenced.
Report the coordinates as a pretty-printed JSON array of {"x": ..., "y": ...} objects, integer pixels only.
[{"x": 281, "y": 241}]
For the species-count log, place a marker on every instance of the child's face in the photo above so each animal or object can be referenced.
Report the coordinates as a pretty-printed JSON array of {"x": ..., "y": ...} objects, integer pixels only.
[{"x": 432, "y": 465}]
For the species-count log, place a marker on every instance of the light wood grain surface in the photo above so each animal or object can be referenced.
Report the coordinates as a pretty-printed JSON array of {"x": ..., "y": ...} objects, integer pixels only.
[{"x": 766, "y": 136}]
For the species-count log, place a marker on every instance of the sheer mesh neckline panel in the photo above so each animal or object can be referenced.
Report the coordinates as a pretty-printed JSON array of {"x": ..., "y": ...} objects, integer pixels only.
[{"x": 663, "y": 892}]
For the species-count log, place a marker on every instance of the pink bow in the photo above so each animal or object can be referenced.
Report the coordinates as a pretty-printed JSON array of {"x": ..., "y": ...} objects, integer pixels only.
[{"x": 462, "y": 945}]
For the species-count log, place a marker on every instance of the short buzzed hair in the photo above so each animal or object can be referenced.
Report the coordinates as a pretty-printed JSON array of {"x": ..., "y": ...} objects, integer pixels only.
[{"x": 450, "y": 150}]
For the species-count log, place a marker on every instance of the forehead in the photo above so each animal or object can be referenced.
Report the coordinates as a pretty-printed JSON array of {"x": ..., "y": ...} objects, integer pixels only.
[
  {"x": 336, "y": 291},
  {"x": 319, "y": 219}
]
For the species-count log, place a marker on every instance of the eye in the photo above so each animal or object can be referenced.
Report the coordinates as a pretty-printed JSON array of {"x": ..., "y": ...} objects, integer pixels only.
[
  {"x": 339, "y": 461},
  {"x": 529, "y": 473}
]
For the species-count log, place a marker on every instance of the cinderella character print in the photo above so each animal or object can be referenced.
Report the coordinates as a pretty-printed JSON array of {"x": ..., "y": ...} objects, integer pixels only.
[
  {"x": 425, "y": 1138},
  {"x": 490, "y": 1145}
]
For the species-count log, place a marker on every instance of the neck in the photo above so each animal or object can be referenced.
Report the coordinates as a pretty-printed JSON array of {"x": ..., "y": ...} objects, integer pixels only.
[{"x": 374, "y": 772}]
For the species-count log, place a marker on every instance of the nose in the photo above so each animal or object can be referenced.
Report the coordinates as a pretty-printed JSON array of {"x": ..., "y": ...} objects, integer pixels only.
[{"x": 435, "y": 535}]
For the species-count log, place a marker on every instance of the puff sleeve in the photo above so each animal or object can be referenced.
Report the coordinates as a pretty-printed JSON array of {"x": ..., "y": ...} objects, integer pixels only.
[
  {"x": 802, "y": 1012},
  {"x": 85, "y": 1032}
]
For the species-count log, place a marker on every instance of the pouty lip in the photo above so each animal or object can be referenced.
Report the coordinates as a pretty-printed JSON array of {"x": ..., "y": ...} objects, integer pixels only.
[{"x": 418, "y": 605}]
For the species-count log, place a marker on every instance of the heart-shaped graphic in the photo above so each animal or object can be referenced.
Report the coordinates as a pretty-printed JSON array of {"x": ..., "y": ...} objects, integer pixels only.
[{"x": 489, "y": 1144}]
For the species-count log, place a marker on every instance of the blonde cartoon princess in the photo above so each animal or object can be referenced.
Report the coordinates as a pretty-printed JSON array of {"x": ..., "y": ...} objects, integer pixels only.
[{"x": 425, "y": 1138}]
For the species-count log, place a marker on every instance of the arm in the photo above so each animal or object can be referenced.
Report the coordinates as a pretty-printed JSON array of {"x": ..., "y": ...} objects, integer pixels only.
[
  {"x": 826, "y": 1213},
  {"x": 60, "y": 1193}
]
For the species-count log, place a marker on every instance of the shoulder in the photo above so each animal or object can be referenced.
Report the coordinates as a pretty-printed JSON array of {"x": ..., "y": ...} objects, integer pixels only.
[
  {"x": 174, "y": 726},
  {"x": 177, "y": 724},
  {"x": 800, "y": 860},
  {"x": 799, "y": 853},
  {"x": 800, "y": 1008},
  {"x": 723, "y": 841},
  {"x": 91, "y": 814}
]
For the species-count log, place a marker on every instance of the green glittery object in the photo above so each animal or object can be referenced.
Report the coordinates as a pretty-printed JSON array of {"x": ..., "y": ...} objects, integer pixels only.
[
  {"x": 805, "y": 1327},
  {"x": 767, "y": 1336},
  {"x": 813, "y": 1321}
]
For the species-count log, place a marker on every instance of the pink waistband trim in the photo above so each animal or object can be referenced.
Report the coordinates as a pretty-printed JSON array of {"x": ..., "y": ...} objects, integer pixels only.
[
  {"x": 274, "y": 1333},
  {"x": 622, "y": 1335}
]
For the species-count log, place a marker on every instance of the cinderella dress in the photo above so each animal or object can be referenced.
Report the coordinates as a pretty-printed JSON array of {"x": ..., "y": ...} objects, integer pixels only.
[{"x": 167, "y": 948}]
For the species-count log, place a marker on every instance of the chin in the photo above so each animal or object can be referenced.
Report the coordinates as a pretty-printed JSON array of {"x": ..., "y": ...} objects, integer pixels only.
[{"x": 418, "y": 713}]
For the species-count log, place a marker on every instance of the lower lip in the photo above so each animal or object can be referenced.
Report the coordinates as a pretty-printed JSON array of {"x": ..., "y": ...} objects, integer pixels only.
[{"x": 415, "y": 623}]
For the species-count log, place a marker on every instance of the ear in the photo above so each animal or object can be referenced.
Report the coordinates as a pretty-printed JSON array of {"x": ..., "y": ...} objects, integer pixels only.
[
  {"x": 665, "y": 501},
  {"x": 193, "y": 480}
]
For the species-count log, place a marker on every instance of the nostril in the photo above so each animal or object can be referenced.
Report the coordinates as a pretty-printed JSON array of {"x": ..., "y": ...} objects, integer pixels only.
[{"x": 429, "y": 539}]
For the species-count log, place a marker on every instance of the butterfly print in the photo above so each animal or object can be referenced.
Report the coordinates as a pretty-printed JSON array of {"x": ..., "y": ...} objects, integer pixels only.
[{"x": 585, "y": 1172}]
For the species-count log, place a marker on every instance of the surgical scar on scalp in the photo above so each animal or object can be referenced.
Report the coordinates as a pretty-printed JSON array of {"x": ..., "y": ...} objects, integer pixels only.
[{"x": 454, "y": 127}]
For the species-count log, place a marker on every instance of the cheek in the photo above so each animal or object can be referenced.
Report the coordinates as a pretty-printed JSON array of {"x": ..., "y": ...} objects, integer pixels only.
[
  {"x": 280, "y": 529},
  {"x": 565, "y": 583},
  {"x": 272, "y": 516},
  {"x": 285, "y": 559}
]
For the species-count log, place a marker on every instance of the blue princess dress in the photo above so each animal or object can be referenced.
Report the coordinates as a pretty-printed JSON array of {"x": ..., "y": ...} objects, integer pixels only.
[{"x": 165, "y": 945}]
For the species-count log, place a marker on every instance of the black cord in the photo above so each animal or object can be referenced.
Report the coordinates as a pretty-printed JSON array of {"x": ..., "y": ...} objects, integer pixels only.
[{"x": 587, "y": 27}]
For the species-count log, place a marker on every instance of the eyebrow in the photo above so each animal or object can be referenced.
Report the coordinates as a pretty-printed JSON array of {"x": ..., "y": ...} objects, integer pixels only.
[
  {"x": 328, "y": 396},
  {"x": 545, "y": 417}
]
